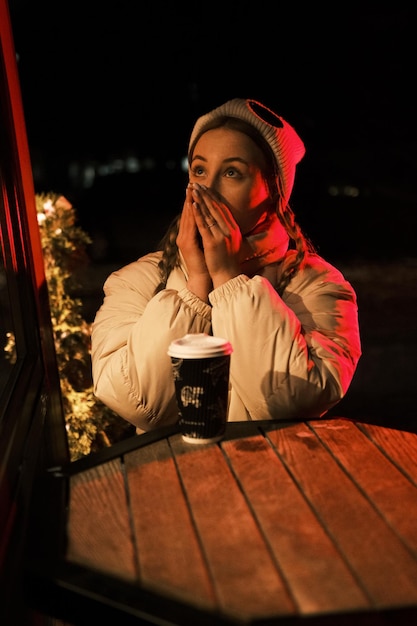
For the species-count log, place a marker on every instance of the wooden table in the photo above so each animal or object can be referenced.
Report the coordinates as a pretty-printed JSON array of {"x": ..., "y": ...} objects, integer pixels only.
[{"x": 278, "y": 523}]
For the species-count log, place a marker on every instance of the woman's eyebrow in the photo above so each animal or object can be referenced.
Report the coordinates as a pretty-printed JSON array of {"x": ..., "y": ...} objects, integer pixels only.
[
  {"x": 199, "y": 157},
  {"x": 228, "y": 160}
]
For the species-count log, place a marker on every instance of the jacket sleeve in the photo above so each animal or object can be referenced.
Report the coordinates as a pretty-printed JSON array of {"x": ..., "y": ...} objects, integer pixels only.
[
  {"x": 130, "y": 337},
  {"x": 300, "y": 351}
]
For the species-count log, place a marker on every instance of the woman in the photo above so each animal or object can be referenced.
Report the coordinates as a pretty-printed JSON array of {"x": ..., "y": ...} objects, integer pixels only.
[{"x": 234, "y": 264}]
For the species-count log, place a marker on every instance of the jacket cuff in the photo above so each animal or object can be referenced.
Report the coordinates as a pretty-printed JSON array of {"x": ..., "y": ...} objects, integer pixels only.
[
  {"x": 190, "y": 299},
  {"x": 227, "y": 288}
]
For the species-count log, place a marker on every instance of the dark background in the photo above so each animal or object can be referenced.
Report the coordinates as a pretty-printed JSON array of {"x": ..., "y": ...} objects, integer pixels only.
[{"x": 102, "y": 82}]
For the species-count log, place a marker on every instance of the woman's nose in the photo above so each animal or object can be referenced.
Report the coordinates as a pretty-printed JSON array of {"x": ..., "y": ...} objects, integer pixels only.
[{"x": 212, "y": 182}]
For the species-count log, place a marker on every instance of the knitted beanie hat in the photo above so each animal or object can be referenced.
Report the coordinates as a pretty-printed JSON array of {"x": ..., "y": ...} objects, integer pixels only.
[{"x": 286, "y": 145}]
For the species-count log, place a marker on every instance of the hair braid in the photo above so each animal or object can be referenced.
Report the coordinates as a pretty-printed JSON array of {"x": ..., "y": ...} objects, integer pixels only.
[
  {"x": 299, "y": 242},
  {"x": 170, "y": 256}
]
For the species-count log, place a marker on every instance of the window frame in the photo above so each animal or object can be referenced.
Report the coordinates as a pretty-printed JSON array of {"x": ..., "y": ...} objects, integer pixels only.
[{"x": 32, "y": 424}]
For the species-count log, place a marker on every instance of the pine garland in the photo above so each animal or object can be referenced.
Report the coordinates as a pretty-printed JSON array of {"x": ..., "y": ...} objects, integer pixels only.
[{"x": 90, "y": 424}]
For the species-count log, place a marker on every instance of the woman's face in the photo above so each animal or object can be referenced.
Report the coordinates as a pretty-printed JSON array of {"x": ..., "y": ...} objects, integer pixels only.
[{"x": 231, "y": 164}]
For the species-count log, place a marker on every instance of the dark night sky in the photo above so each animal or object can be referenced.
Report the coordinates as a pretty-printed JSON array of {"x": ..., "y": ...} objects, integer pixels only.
[
  {"x": 105, "y": 71},
  {"x": 98, "y": 79}
]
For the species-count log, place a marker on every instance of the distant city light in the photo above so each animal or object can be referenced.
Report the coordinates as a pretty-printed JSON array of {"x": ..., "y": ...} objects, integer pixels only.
[
  {"x": 132, "y": 165},
  {"x": 85, "y": 173},
  {"x": 89, "y": 175},
  {"x": 348, "y": 191}
]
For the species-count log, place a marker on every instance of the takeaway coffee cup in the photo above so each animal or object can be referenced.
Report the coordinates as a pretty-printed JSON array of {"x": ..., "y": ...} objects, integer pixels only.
[{"x": 201, "y": 365}]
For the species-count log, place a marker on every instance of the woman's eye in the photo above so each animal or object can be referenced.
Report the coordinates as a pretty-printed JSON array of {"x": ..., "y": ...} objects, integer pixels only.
[
  {"x": 231, "y": 172},
  {"x": 198, "y": 171}
]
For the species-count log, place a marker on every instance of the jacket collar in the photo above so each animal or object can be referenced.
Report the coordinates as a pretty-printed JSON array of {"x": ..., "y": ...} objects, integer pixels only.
[{"x": 265, "y": 244}]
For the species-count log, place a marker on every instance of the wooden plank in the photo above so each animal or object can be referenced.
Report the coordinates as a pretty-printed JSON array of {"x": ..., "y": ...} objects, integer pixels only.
[
  {"x": 245, "y": 577},
  {"x": 385, "y": 485},
  {"x": 99, "y": 532},
  {"x": 169, "y": 555},
  {"x": 317, "y": 575},
  {"x": 379, "y": 560},
  {"x": 399, "y": 445}
]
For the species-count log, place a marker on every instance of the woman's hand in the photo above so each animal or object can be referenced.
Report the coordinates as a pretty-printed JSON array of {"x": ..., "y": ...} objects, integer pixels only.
[
  {"x": 189, "y": 243},
  {"x": 220, "y": 234},
  {"x": 209, "y": 240}
]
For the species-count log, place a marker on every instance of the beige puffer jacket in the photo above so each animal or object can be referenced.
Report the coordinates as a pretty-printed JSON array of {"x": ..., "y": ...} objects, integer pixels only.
[{"x": 293, "y": 357}]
